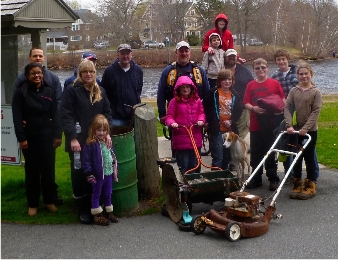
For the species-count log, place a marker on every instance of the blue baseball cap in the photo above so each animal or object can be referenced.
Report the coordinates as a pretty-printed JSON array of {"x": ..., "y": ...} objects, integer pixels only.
[{"x": 89, "y": 56}]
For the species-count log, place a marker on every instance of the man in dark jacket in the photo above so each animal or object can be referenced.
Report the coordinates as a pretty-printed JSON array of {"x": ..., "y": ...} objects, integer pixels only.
[
  {"x": 85, "y": 56},
  {"x": 53, "y": 81},
  {"x": 123, "y": 83},
  {"x": 242, "y": 77}
]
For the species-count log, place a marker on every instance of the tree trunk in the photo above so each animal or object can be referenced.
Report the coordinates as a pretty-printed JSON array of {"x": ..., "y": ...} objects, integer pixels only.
[{"x": 146, "y": 147}]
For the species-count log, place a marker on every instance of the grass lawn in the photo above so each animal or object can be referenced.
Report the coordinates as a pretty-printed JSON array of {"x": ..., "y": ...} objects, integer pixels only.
[{"x": 13, "y": 199}]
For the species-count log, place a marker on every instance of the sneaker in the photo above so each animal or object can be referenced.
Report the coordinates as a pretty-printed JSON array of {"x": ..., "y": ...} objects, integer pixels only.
[
  {"x": 254, "y": 183},
  {"x": 232, "y": 167},
  {"x": 273, "y": 185},
  {"x": 289, "y": 180}
]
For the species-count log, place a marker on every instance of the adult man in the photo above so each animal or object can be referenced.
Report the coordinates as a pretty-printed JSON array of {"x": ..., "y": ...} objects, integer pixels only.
[
  {"x": 52, "y": 80},
  {"x": 85, "y": 56},
  {"x": 123, "y": 82},
  {"x": 242, "y": 77},
  {"x": 182, "y": 66}
]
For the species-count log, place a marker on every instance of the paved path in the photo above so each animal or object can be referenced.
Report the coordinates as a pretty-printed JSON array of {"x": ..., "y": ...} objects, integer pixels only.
[{"x": 308, "y": 229}]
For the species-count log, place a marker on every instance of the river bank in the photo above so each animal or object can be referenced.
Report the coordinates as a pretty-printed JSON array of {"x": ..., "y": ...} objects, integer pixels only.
[{"x": 158, "y": 57}]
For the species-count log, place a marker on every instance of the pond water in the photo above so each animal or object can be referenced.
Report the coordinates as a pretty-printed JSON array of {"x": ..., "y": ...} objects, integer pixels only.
[{"x": 326, "y": 77}]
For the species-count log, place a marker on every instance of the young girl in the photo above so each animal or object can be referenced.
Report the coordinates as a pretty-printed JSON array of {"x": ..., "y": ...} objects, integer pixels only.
[
  {"x": 223, "y": 108},
  {"x": 185, "y": 109},
  {"x": 100, "y": 165},
  {"x": 308, "y": 102}
]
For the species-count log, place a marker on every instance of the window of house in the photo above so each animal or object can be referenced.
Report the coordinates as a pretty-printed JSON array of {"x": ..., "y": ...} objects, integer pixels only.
[
  {"x": 192, "y": 12},
  {"x": 87, "y": 27},
  {"x": 187, "y": 33},
  {"x": 75, "y": 38},
  {"x": 87, "y": 38},
  {"x": 75, "y": 27}
]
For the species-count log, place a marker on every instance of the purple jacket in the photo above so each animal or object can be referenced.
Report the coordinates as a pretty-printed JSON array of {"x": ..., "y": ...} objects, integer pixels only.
[
  {"x": 92, "y": 162},
  {"x": 185, "y": 112}
]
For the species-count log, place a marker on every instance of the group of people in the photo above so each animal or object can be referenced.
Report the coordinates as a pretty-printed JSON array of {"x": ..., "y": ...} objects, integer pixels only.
[
  {"x": 85, "y": 111},
  {"x": 221, "y": 94}
]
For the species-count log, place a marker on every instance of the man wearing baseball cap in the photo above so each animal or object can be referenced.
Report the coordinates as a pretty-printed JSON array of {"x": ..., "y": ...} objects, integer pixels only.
[
  {"x": 85, "y": 56},
  {"x": 242, "y": 77},
  {"x": 181, "y": 67},
  {"x": 123, "y": 82}
]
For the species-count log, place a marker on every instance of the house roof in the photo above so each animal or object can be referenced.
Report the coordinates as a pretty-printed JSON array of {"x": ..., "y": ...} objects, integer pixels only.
[{"x": 36, "y": 14}]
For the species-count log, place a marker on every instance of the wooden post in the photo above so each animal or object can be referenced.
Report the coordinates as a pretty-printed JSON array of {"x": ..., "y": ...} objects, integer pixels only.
[{"x": 146, "y": 148}]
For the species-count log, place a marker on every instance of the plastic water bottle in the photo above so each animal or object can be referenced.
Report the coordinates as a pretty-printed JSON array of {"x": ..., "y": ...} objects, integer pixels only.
[{"x": 77, "y": 155}]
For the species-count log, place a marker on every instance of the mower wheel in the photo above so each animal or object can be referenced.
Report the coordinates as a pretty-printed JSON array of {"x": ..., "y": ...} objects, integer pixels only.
[
  {"x": 233, "y": 231},
  {"x": 184, "y": 227},
  {"x": 197, "y": 225}
]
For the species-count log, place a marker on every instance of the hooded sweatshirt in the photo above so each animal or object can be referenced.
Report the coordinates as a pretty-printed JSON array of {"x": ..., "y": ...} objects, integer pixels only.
[
  {"x": 212, "y": 64},
  {"x": 226, "y": 36},
  {"x": 185, "y": 112}
]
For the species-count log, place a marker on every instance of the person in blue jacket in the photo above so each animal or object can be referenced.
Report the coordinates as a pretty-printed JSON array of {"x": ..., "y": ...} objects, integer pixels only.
[
  {"x": 85, "y": 56},
  {"x": 123, "y": 83}
]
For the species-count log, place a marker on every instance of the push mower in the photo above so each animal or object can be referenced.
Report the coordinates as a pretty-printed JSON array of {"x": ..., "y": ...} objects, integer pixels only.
[{"x": 244, "y": 214}]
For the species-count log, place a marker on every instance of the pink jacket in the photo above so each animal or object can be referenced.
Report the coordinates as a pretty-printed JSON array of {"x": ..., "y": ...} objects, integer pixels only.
[{"x": 185, "y": 112}]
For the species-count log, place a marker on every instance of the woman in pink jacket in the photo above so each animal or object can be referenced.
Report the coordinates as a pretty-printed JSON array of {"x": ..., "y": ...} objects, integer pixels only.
[{"x": 185, "y": 109}]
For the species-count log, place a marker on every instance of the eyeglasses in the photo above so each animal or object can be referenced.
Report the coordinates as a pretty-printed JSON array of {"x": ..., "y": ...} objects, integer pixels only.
[
  {"x": 88, "y": 71},
  {"x": 35, "y": 73},
  {"x": 260, "y": 68}
]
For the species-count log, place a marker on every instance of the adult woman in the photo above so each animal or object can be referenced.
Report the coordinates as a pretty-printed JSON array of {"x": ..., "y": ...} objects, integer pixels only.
[
  {"x": 38, "y": 131},
  {"x": 81, "y": 103},
  {"x": 221, "y": 28}
]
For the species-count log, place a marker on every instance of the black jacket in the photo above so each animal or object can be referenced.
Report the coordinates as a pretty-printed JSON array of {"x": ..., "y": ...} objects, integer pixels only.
[
  {"x": 76, "y": 106},
  {"x": 122, "y": 87},
  {"x": 211, "y": 110},
  {"x": 38, "y": 108},
  {"x": 242, "y": 77}
]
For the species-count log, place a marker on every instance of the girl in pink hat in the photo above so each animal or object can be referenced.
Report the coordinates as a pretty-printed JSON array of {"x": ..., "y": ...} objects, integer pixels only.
[{"x": 185, "y": 109}]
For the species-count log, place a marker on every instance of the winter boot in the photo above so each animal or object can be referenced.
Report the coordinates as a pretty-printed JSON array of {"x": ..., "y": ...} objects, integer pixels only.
[
  {"x": 99, "y": 219},
  {"x": 83, "y": 210},
  {"x": 297, "y": 188},
  {"x": 309, "y": 190},
  {"x": 110, "y": 216}
]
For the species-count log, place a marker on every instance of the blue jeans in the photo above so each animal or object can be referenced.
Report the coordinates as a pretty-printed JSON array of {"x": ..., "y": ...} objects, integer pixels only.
[
  {"x": 219, "y": 154},
  {"x": 186, "y": 160}
]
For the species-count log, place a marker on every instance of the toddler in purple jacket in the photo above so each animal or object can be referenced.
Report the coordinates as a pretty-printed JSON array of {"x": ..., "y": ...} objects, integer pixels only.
[
  {"x": 100, "y": 166},
  {"x": 185, "y": 109}
]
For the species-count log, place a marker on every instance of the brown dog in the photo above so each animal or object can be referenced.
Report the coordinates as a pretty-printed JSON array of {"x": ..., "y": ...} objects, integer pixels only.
[{"x": 238, "y": 152}]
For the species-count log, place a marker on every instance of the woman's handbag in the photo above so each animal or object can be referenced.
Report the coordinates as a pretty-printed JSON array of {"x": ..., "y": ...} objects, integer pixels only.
[{"x": 272, "y": 104}]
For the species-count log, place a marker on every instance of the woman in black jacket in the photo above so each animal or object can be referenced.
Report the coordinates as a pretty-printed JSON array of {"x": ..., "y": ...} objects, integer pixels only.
[
  {"x": 38, "y": 131},
  {"x": 81, "y": 103},
  {"x": 222, "y": 108}
]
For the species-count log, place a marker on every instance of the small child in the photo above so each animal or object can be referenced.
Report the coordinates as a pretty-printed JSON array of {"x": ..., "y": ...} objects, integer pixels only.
[
  {"x": 185, "y": 109},
  {"x": 212, "y": 64},
  {"x": 100, "y": 174},
  {"x": 223, "y": 107},
  {"x": 307, "y": 100}
]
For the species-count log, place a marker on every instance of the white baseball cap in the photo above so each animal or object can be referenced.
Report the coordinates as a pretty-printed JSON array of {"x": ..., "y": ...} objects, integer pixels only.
[
  {"x": 230, "y": 52},
  {"x": 182, "y": 44}
]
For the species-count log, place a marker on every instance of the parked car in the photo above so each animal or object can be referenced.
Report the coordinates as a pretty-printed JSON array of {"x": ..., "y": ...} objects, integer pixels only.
[
  {"x": 101, "y": 45},
  {"x": 153, "y": 44},
  {"x": 135, "y": 44},
  {"x": 255, "y": 42}
]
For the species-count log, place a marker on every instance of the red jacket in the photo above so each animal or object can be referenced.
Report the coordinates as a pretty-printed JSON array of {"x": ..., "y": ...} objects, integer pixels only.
[{"x": 227, "y": 39}]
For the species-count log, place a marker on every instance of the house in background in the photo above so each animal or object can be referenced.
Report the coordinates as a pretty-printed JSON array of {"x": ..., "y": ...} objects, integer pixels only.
[{"x": 173, "y": 21}]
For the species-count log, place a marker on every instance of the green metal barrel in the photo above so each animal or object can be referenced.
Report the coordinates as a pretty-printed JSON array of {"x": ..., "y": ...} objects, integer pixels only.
[{"x": 125, "y": 194}]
